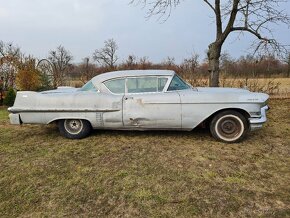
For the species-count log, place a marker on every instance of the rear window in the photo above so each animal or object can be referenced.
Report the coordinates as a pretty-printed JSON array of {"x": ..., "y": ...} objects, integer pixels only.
[
  {"x": 89, "y": 86},
  {"x": 116, "y": 86}
]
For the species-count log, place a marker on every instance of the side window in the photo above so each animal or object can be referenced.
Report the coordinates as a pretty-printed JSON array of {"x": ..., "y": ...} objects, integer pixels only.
[
  {"x": 132, "y": 85},
  {"x": 116, "y": 86},
  {"x": 177, "y": 84},
  {"x": 143, "y": 84},
  {"x": 161, "y": 83}
]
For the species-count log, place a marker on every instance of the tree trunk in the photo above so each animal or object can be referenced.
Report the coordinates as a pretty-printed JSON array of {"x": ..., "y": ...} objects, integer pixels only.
[
  {"x": 214, "y": 53},
  {"x": 288, "y": 70}
]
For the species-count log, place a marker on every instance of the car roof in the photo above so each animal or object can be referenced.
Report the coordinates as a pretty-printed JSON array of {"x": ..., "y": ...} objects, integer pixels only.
[{"x": 130, "y": 73}]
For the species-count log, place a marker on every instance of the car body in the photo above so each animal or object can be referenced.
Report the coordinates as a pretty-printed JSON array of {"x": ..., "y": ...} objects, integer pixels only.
[{"x": 142, "y": 100}]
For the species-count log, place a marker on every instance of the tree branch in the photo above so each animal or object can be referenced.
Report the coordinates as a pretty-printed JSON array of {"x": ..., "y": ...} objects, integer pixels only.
[
  {"x": 231, "y": 21},
  {"x": 219, "y": 25},
  {"x": 210, "y": 5},
  {"x": 246, "y": 29}
]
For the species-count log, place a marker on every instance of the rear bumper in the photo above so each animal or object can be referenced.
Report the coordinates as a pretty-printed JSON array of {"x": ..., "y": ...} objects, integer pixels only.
[
  {"x": 15, "y": 119},
  {"x": 257, "y": 123}
]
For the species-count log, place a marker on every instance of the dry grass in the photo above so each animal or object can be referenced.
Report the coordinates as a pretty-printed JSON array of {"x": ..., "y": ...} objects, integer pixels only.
[{"x": 145, "y": 174}]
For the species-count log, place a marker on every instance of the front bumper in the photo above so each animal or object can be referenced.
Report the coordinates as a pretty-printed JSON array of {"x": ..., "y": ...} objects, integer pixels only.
[{"x": 257, "y": 123}]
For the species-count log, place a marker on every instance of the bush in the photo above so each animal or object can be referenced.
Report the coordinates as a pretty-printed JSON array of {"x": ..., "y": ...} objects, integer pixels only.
[
  {"x": 10, "y": 97},
  {"x": 28, "y": 79}
]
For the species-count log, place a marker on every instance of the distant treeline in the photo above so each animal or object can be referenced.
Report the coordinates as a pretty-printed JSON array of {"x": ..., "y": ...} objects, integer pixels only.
[
  {"x": 243, "y": 67},
  {"x": 25, "y": 72}
]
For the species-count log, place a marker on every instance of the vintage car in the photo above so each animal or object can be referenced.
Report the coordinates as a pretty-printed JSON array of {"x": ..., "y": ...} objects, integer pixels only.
[{"x": 142, "y": 100}]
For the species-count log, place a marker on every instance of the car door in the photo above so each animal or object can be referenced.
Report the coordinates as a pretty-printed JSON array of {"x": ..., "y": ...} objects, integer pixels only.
[
  {"x": 113, "y": 119},
  {"x": 147, "y": 106}
]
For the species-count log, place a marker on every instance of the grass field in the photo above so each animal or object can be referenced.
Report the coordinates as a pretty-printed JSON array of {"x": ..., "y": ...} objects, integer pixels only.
[{"x": 145, "y": 174}]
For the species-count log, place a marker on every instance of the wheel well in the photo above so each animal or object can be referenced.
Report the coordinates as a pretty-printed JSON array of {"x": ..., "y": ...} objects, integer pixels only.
[
  {"x": 59, "y": 119},
  {"x": 241, "y": 111}
]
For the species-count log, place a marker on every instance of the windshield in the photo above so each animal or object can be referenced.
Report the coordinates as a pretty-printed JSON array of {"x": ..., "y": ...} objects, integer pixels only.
[
  {"x": 178, "y": 84},
  {"x": 89, "y": 86}
]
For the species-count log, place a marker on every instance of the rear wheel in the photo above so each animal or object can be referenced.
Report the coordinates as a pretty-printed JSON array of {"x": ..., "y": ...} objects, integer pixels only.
[
  {"x": 229, "y": 126},
  {"x": 74, "y": 128}
]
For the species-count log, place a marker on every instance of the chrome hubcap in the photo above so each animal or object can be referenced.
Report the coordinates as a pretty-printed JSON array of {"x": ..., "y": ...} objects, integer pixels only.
[
  {"x": 73, "y": 126},
  {"x": 228, "y": 126}
]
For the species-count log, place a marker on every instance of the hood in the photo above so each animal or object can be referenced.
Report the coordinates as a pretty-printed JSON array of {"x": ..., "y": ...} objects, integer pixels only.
[
  {"x": 244, "y": 95},
  {"x": 222, "y": 95},
  {"x": 221, "y": 90}
]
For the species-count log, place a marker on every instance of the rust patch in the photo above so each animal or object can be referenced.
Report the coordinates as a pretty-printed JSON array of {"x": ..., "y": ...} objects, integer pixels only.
[
  {"x": 138, "y": 121},
  {"x": 140, "y": 101}
]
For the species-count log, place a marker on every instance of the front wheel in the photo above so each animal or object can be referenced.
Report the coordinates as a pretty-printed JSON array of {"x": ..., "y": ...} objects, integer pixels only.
[
  {"x": 229, "y": 126},
  {"x": 74, "y": 128}
]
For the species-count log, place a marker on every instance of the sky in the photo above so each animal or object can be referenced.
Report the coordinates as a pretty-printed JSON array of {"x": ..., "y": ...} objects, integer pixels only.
[{"x": 82, "y": 26}]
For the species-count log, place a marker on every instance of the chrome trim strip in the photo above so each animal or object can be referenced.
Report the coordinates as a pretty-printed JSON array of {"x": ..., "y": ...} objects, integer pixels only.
[{"x": 18, "y": 110}]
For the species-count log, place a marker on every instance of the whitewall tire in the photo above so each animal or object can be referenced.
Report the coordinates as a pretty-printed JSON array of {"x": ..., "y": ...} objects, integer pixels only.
[{"x": 229, "y": 126}]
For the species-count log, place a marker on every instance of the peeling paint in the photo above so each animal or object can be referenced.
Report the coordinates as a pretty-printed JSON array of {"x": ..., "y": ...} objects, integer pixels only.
[{"x": 138, "y": 121}]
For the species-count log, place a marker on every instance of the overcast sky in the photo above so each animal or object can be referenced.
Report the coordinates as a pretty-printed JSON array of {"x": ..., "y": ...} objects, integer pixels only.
[{"x": 82, "y": 26}]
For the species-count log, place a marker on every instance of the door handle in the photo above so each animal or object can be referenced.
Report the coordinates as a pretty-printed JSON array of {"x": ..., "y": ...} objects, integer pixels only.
[{"x": 127, "y": 98}]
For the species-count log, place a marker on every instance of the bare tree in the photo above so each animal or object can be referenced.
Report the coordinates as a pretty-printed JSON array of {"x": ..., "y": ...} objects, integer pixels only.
[
  {"x": 87, "y": 70},
  {"x": 144, "y": 63},
  {"x": 251, "y": 16},
  {"x": 191, "y": 63},
  {"x": 9, "y": 50},
  {"x": 226, "y": 63},
  {"x": 58, "y": 63},
  {"x": 169, "y": 61},
  {"x": 9, "y": 59},
  {"x": 107, "y": 56},
  {"x": 287, "y": 60},
  {"x": 288, "y": 70},
  {"x": 131, "y": 61},
  {"x": 189, "y": 66}
]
